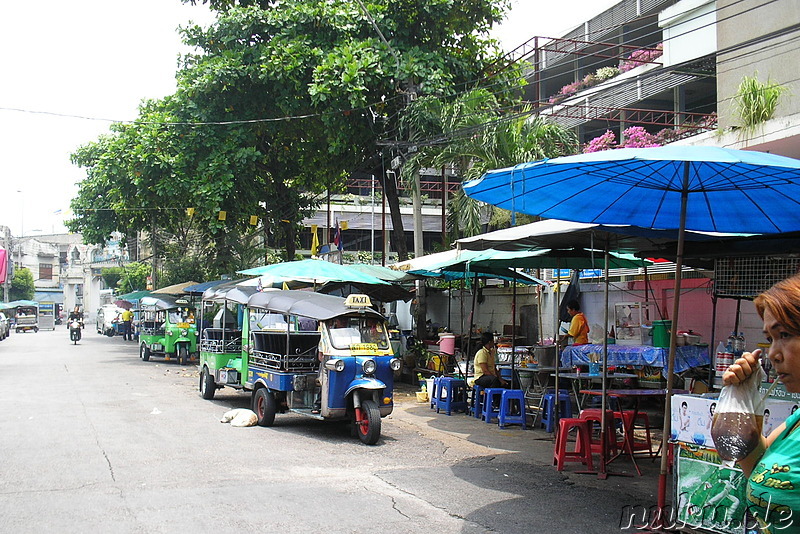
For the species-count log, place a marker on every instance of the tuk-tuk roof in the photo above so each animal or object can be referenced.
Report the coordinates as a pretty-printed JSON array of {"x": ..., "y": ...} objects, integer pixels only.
[
  {"x": 162, "y": 302},
  {"x": 229, "y": 291},
  {"x": 23, "y": 304},
  {"x": 307, "y": 304}
]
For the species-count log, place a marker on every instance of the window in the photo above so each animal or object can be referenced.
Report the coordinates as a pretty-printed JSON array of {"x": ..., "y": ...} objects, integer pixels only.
[{"x": 45, "y": 271}]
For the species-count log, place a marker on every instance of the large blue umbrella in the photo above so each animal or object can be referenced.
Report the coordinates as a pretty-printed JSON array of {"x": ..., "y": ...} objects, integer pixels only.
[
  {"x": 674, "y": 187},
  {"x": 313, "y": 272},
  {"x": 725, "y": 190}
]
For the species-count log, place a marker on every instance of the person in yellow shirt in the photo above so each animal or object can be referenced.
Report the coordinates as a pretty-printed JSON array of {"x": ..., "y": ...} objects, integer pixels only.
[
  {"x": 579, "y": 326},
  {"x": 127, "y": 321},
  {"x": 485, "y": 369}
]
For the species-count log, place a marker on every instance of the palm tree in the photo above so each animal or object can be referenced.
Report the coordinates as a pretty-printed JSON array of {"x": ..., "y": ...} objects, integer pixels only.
[{"x": 475, "y": 134}]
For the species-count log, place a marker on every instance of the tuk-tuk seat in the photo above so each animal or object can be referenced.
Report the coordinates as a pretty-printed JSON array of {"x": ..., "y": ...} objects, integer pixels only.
[
  {"x": 221, "y": 340},
  {"x": 270, "y": 349}
]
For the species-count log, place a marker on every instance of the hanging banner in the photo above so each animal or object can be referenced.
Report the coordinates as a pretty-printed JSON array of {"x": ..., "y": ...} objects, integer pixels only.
[{"x": 3, "y": 264}]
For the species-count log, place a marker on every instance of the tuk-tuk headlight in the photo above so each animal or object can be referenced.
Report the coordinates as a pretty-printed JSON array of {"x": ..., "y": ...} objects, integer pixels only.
[
  {"x": 335, "y": 365},
  {"x": 184, "y": 333},
  {"x": 395, "y": 364},
  {"x": 369, "y": 367}
]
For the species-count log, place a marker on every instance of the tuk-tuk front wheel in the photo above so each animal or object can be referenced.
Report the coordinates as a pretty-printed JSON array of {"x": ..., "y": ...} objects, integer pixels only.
[
  {"x": 144, "y": 352},
  {"x": 207, "y": 385},
  {"x": 183, "y": 354},
  {"x": 264, "y": 407},
  {"x": 368, "y": 422}
]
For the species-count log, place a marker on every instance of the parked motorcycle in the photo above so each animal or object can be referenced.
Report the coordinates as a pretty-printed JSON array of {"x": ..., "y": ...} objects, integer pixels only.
[{"x": 75, "y": 331}]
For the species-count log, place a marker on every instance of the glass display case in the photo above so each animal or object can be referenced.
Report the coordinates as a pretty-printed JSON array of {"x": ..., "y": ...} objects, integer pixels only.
[{"x": 633, "y": 322}]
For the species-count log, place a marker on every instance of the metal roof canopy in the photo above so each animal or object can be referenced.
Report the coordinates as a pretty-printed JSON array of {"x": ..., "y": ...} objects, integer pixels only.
[
  {"x": 307, "y": 304},
  {"x": 161, "y": 302}
]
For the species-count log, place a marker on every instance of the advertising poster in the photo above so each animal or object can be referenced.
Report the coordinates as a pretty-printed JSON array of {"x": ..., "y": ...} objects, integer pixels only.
[{"x": 710, "y": 496}]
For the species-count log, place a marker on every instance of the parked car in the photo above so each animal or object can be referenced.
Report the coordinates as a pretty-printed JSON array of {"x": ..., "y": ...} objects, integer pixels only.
[
  {"x": 5, "y": 326},
  {"x": 107, "y": 317}
]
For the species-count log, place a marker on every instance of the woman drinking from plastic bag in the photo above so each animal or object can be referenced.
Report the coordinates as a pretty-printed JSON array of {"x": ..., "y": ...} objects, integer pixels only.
[{"x": 772, "y": 464}]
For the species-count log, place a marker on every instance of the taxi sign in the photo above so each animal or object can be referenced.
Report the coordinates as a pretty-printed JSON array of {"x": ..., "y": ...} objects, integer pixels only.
[{"x": 358, "y": 301}]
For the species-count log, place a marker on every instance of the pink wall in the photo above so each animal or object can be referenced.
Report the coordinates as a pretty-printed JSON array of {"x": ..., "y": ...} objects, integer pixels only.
[{"x": 696, "y": 309}]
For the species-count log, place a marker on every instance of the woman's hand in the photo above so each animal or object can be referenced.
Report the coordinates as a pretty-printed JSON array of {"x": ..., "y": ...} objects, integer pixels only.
[{"x": 742, "y": 368}]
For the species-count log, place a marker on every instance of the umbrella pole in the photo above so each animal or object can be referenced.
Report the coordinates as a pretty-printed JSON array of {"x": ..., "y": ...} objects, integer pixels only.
[
  {"x": 603, "y": 400},
  {"x": 540, "y": 337},
  {"x": 556, "y": 293},
  {"x": 472, "y": 314},
  {"x": 513, "y": 329},
  {"x": 660, "y": 518}
]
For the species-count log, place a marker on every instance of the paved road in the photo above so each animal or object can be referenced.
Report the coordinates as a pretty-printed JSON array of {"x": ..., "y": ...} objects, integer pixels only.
[{"x": 95, "y": 440}]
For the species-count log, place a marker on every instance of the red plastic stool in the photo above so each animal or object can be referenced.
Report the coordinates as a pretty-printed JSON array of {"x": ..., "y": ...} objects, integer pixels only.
[
  {"x": 594, "y": 416},
  {"x": 583, "y": 447},
  {"x": 643, "y": 446}
]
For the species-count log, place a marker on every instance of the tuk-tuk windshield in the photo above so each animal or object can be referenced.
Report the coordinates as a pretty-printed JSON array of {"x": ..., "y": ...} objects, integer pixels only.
[
  {"x": 347, "y": 331},
  {"x": 181, "y": 315}
]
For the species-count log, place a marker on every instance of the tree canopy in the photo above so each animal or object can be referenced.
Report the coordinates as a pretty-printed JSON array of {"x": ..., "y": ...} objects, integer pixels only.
[
  {"x": 22, "y": 287},
  {"x": 280, "y": 102}
]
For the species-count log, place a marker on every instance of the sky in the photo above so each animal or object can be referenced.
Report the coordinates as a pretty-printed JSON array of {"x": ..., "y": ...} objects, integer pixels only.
[{"x": 71, "y": 68}]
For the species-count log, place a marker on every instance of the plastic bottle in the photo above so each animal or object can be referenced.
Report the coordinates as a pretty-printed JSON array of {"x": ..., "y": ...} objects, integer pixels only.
[
  {"x": 731, "y": 344},
  {"x": 739, "y": 350},
  {"x": 724, "y": 358}
]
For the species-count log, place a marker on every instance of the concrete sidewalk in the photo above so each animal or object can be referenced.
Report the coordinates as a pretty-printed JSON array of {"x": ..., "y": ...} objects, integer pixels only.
[{"x": 533, "y": 446}]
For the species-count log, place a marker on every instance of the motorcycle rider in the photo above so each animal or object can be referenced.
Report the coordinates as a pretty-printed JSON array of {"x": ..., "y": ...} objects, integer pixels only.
[{"x": 76, "y": 315}]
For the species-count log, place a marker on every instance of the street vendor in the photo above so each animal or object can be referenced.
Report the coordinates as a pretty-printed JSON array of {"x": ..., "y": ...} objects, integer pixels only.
[
  {"x": 486, "y": 373},
  {"x": 578, "y": 326}
]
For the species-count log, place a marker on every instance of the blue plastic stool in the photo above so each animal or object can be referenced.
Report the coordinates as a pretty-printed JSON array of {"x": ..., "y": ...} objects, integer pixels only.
[
  {"x": 477, "y": 401},
  {"x": 489, "y": 396},
  {"x": 452, "y": 395},
  {"x": 434, "y": 395},
  {"x": 509, "y": 398},
  {"x": 548, "y": 408}
]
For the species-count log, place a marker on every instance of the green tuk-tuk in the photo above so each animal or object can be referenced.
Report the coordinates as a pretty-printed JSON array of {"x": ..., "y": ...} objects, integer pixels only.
[
  {"x": 167, "y": 327},
  {"x": 221, "y": 338}
]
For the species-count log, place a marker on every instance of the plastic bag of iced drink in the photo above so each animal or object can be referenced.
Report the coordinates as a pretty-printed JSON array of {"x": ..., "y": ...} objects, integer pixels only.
[{"x": 736, "y": 427}]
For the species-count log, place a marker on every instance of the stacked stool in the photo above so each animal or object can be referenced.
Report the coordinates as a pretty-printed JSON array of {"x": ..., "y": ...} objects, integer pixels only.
[
  {"x": 548, "y": 407},
  {"x": 451, "y": 395},
  {"x": 583, "y": 449},
  {"x": 508, "y": 399},
  {"x": 594, "y": 416}
]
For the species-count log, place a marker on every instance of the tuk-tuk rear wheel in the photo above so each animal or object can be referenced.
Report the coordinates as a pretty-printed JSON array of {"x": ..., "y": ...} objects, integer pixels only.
[
  {"x": 144, "y": 352},
  {"x": 264, "y": 407},
  {"x": 368, "y": 422}
]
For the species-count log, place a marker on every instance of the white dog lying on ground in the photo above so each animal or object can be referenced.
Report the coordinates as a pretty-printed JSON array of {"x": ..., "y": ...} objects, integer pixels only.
[{"x": 240, "y": 417}]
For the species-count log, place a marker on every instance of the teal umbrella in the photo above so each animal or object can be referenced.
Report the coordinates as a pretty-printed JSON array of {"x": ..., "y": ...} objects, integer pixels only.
[{"x": 313, "y": 272}]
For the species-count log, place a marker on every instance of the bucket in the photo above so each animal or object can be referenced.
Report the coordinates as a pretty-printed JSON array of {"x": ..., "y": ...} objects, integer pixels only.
[
  {"x": 429, "y": 385},
  {"x": 661, "y": 333},
  {"x": 447, "y": 343},
  {"x": 422, "y": 396}
]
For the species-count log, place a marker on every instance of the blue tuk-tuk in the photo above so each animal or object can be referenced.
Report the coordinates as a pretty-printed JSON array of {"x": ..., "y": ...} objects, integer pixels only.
[{"x": 316, "y": 355}]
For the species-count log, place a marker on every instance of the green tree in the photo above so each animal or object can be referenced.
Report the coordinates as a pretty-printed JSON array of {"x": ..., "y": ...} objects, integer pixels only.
[
  {"x": 134, "y": 277},
  {"x": 475, "y": 133},
  {"x": 111, "y": 276},
  {"x": 22, "y": 287},
  {"x": 292, "y": 96}
]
